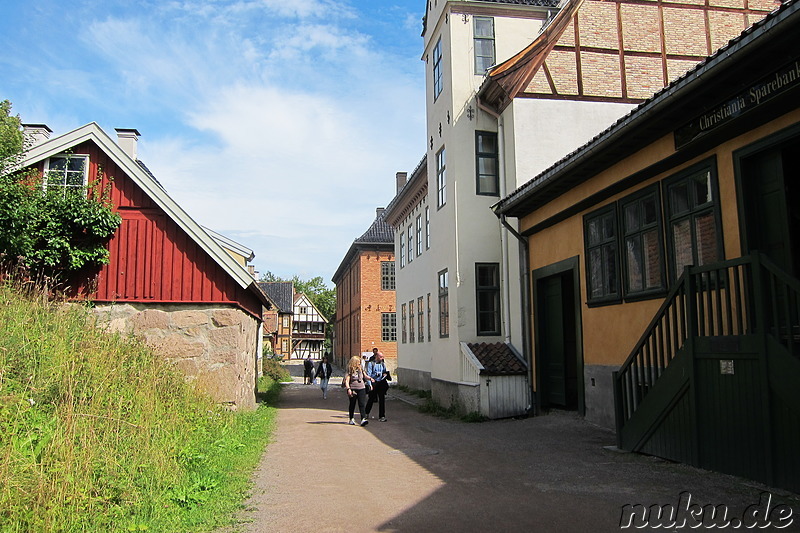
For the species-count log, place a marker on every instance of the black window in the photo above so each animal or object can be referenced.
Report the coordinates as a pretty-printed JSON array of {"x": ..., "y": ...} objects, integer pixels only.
[
  {"x": 389, "y": 327},
  {"x": 441, "y": 178},
  {"x": 641, "y": 230},
  {"x": 403, "y": 320},
  {"x": 387, "y": 276},
  {"x": 602, "y": 272},
  {"x": 691, "y": 211},
  {"x": 487, "y": 297},
  {"x": 486, "y": 163}
]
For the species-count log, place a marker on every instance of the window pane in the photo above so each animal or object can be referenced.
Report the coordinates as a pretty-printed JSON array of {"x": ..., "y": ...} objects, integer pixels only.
[
  {"x": 631, "y": 214},
  {"x": 484, "y": 48},
  {"x": 702, "y": 188},
  {"x": 649, "y": 210},
  {"x": 634, "y": 257},
  {"x": 679, "y": 199},
  {"x": 610, "y": 265},
  {"x": 487, "y": 165},
  {"x": 487, "y": 144},
  {"x": 487, "y": 184},
  {"x": 608, "y": 227},
  {"x": 596, "y": 273},
  {"x": 593, "y": 232},
  {"x": 682, "y": 241},
  {"x": 484, "y": 27},
  {"x": 652, "y": 259},
  {"x": 706, "y": 235}
]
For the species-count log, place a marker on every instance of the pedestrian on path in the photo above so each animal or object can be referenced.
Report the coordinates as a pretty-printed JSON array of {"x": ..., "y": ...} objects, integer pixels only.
[
  {"x": 308, "y": 370},
  {"x": 324, "y": 371},
  {"x": 355, "y": 383},
  {"x": 376, "y": 369}
]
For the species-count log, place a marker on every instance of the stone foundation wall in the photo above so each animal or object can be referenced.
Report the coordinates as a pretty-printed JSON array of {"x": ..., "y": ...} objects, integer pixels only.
[
  {"x": 466, "y": 398},
  {"x": 213, "y": 346}
]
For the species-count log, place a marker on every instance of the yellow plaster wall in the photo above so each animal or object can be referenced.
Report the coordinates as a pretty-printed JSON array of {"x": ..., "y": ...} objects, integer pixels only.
[{"x": 610, "y": 332}]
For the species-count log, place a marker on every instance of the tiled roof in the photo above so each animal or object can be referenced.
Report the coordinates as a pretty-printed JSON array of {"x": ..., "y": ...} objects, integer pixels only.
[
  {"x": 497, "y": 358},
  {"x": 280, "y": 292},
  {"x": 379, "y": 231}
]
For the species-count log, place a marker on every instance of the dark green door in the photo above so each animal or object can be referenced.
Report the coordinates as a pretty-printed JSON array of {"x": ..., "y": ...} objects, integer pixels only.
[
  {"x": 771, "y": 209},
  {"x": 557, "y": 346}
]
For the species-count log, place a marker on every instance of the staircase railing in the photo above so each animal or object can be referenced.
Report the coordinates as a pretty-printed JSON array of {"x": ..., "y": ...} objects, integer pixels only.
[
  {"x": 712, "y": 300},
  {"x": 782, "y": 307}
]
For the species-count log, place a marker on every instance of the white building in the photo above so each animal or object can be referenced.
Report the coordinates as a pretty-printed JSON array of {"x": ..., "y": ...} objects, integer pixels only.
[{"x": 559, "y": 75}]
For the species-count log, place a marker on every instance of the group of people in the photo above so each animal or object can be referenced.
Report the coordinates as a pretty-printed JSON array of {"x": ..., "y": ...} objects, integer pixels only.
[{"x": 366, "y": 382}]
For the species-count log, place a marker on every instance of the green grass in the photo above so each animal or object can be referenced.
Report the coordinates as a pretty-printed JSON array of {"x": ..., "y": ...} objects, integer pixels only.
[{"x": 98, "y": 434}]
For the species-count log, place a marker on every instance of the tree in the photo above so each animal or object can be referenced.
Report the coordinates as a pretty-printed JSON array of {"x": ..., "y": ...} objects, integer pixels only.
[{"x": 49, "y": 231}]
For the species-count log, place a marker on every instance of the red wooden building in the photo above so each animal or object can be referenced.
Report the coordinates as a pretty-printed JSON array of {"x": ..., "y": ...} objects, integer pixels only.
[{"x": 168, "y": 280}]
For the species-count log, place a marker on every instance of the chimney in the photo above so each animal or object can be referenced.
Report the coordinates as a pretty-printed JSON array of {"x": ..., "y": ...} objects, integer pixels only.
[
  {"x": 127, "y": 138},
  {"x": 35, "y": 134},
  {"x": 379, "y": 211},
  {"x": 401, "y": 177}
]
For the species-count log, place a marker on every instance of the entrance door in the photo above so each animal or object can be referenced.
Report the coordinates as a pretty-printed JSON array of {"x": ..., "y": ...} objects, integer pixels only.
[
  {"x": 771, "y": 186},
  {"x": 557, "y": 344}
]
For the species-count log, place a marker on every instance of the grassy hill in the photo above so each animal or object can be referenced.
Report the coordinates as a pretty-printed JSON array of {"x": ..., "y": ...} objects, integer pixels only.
[{"x": 99, "y": 434}]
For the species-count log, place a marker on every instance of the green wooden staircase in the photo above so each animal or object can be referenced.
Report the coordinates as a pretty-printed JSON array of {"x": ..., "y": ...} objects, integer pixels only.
[{"x": 715, "y": 379}]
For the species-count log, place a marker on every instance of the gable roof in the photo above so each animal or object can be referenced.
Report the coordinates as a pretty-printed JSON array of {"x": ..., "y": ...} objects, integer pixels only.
[
  {"x": 379, "y": 236},
  {"x": 764, "y": 45},
  {"x": 301, "y": 297},
  {"x": 281, "y": 292},
  {"x": 142, "y": 177}
]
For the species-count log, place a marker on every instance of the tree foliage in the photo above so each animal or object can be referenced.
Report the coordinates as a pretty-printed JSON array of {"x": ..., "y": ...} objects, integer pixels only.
[{"x": 53, "y": 232}]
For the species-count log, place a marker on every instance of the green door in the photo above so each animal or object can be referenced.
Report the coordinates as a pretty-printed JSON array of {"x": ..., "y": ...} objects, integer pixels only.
[
  {"x": 557, "y": 355},
  {"x": 771, "y": 187}
]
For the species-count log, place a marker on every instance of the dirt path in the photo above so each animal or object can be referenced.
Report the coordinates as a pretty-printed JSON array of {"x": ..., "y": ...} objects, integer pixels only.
[{"x": 420, "y": 473}]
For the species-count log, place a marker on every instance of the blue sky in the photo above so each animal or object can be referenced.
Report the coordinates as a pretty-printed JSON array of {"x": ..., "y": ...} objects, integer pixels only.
[{"x": 278, "y": 123}]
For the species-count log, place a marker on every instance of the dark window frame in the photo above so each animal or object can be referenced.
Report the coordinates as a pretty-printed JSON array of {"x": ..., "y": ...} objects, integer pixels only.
[
  {"x": 492, "y": 290},
  {"x": 608, "y": 296},
  {"x": 388, "y": 327},
  {"x": 479, "y": 156},
  {"x": 625, "y": 234},
  {"x": 441, "y": 178},
  {"x": 692, "y": 213}
]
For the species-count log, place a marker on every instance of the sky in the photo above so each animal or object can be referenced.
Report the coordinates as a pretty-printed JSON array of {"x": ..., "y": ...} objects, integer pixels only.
[{"x": 278, "y": 123}]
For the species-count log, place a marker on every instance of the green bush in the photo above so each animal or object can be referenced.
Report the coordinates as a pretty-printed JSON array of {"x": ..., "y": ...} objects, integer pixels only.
[
  {"x": 98, "y": 434},
  {"x": 275, "y": 370}
]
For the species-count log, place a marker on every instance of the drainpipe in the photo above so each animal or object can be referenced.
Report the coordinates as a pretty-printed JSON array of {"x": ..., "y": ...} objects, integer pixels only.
[{"x": 525, "y": 303}]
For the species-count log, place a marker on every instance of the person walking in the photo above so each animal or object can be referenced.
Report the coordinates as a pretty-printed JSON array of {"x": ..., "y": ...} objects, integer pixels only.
[
  {"x": 355, "y": 383},
  {"x": 324, "y": 371},
  {"x": 308, "y": 370},
  {"x": 376, "y": 370}
]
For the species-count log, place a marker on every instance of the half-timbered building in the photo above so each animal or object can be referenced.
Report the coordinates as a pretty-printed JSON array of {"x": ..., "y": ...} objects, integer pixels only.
[{"x": 308, "y": 328}]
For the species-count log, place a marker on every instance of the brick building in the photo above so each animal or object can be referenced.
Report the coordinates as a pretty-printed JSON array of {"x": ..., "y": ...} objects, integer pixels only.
[{"x": 366, "y": 313}]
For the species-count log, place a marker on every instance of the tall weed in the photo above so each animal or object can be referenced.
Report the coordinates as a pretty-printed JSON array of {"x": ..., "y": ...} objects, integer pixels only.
[{"x": 99, "y": 434}]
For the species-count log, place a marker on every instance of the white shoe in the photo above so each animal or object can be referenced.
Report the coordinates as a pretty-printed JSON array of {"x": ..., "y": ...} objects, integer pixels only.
[
  {"x": 352, "y": 422},
  {"x": 364, "y": 422},
  {"x": 383, "y": 419}
]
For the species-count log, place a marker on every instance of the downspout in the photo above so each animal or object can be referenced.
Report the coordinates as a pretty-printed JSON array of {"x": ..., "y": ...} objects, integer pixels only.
[{"x": 525, "y": 303}]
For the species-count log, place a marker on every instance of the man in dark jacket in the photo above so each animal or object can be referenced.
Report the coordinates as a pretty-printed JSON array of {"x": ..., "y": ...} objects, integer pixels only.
[{"x": 308, "y": 370}]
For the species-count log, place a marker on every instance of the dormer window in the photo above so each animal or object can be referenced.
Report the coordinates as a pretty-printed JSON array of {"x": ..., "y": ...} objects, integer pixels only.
[{"x": 68, "y": 172}]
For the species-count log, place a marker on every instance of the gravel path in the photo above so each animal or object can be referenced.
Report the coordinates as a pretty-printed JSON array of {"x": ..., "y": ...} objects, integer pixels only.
[{"x": 420, "y": 473}]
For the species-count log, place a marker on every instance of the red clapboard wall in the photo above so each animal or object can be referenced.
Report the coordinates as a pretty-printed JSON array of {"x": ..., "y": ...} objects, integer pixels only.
[{"x": 152, "y": 259}]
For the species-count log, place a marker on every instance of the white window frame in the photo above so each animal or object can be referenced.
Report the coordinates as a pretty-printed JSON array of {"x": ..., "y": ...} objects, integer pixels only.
[{"x": 65, "y": 186}]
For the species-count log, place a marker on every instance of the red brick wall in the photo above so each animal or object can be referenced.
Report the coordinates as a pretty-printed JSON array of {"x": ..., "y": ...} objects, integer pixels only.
[{"x": 360, "y": 303}]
